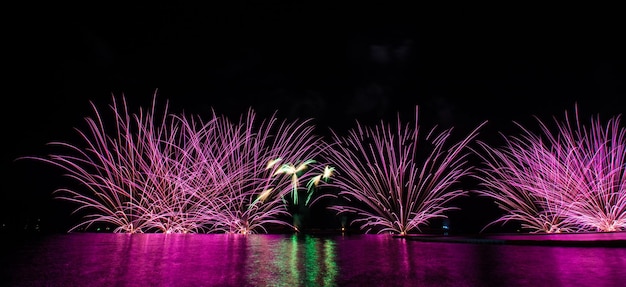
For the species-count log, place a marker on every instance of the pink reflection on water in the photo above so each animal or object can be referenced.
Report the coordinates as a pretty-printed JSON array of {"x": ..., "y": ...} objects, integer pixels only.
[
  {"x": 291, "y": 260},
  {"x": 595, "y": 266},
  {"x": 579, "y": 236}
]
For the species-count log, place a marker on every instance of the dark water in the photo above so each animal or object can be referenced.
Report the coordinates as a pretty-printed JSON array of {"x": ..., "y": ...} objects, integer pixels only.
[{"x": 83, "y": 259}]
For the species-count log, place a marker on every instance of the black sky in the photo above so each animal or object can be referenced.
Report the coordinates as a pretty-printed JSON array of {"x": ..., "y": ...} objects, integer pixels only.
[{"x": 336, "y": 64}]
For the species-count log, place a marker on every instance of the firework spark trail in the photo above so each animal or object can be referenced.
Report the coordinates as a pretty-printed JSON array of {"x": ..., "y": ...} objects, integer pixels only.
[
  {"x": 211, "y": 176},
  {"x": 384, "y": 184},
  {"x": 567, "y": 180},
  {"x": 167, "y": 208}
]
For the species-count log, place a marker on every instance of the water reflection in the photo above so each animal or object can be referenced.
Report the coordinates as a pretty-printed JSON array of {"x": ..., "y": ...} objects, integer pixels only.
[
  {"x": 597, "y": 266},
  {"x": 299, "y": 260},
  {"x": 295, "y": 261}
]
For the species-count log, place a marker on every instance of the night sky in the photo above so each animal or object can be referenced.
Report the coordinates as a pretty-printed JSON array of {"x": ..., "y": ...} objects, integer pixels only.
[{"x": 336, "y": 64}]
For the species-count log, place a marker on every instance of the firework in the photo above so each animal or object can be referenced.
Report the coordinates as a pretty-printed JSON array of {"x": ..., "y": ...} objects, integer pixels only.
[
  {"x": 179, "y": 174},
  {"x": 568, "y": 179},
  {"x": 113, "y": 185},
  {"x": 390, "y": 182},
  {"x": 256, "y": 182}
]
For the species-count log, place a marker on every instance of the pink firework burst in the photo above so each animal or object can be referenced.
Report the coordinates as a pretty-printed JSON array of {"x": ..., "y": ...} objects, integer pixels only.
[
  {"x": 568, "y": 179},
  {"x": 392, "y": 182}
]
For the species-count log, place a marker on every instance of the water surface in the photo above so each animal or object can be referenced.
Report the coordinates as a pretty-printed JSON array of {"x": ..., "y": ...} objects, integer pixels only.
[{"x": 96, "y": 259}]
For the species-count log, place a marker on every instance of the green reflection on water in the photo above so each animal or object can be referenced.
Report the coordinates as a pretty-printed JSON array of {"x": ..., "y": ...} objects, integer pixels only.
[
  {"x": 298, "y": 260},
  {"x": 331, "y": 271},
  {"x": 311, "y": 260}
]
